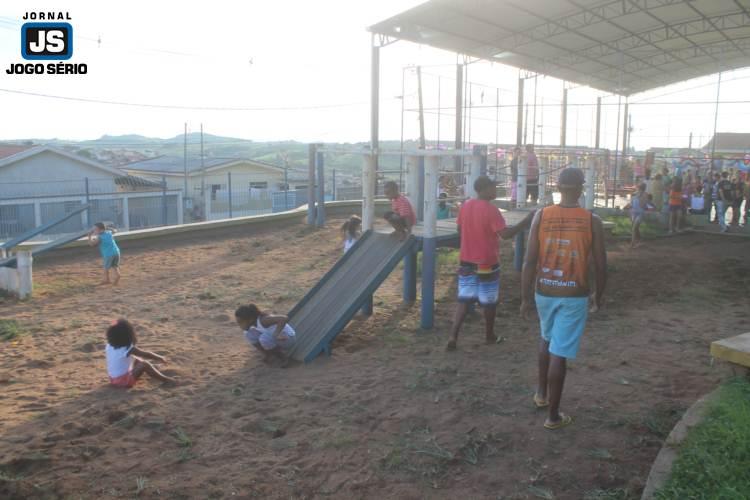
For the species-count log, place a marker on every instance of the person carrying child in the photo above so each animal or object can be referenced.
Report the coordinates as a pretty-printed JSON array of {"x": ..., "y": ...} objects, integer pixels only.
[
  {"x": 401, "y": 216},
  {"x": 103, "y": 237},
  {"x": 124, "y": 360},
  {"x": 351, "y": 231},
  {"x": 270, "y": 334}
]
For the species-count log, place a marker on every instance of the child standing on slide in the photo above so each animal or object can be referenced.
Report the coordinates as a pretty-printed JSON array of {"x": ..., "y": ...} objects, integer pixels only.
[
  {"x": 105, "y": 239},
  {"x": 351, "y": 231},
  {"x": 401, "y": 216},
  {"x": 270, "y": 334},
  {"x": 124, "y": 363}
]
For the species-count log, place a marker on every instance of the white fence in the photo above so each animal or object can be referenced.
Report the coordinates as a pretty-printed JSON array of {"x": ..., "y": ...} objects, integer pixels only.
[{"x": 127, "y": 210}]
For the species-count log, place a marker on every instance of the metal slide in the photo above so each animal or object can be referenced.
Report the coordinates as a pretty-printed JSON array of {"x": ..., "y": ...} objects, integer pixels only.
[
  {"x": 333, "y": 302},
  {"x": 11, "y": 261}
]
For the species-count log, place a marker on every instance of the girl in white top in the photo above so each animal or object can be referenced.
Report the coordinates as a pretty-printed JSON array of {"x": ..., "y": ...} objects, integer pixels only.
[
  {"x": 270, "y": 334},
  {"x": 351, "y": 231},
  {"x": 124, "y": 363}
]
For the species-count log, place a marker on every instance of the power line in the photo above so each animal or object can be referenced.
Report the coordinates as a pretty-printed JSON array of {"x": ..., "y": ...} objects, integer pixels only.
[{"x": 182, "y": 107}]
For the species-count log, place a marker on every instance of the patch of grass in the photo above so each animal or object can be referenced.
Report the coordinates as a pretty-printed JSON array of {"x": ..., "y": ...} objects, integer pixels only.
[
  {"x": 62, "y": 286},
  {"x": 208, "y": 294},
  {"x": 661, "y": 419},
  {"x": 540, "y": 492},
  {"x": 140, "y": 485},
  {"x": 338, "y": 440},
  {"x": 182, "y": 438},
  {"x": 714, "y": 459},
  {"x": 623, "y": 227},
  {"x": 6, "y": 476},
  {"x": 608, "y": 494},
  {"x": 600, "y": 453},
  {"x": 10, "y": 330}
]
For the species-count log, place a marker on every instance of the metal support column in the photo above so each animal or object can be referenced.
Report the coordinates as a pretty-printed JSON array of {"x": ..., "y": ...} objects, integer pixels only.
[
  {"x": 368, "y": 208},
  {"x": 229, "y": 191},
  {"x": 519, "y": 115},
  {"x": 564, "y": 118},
  {"x": 320, "y": 211},
  {"x": 429, "y": 241},
  {"x": 311, "y": 155},
  {"x": 598, "y": 121},
  {"x": 459, "y": 114},
  {"x": 624, "y": 146}
]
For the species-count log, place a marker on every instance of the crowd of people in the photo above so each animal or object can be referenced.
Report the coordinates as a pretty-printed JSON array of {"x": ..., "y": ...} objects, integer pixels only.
[{"x": 679, "y": 193}]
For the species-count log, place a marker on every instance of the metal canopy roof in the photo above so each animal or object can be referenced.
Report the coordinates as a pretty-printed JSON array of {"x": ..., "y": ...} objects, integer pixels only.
[{"x": 619, "y": 46}]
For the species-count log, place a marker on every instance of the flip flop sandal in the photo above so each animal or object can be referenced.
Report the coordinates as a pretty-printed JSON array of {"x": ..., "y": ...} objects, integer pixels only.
[
  {"x": 540, "y": 402},
  {"x": 565, "y": 421}
]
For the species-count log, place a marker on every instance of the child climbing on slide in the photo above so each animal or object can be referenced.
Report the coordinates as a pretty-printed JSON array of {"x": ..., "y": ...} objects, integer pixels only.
[
  {"x": 124, "y": 363},
  {"x": 270, "y": 334},
  {"x": 105, "y": 239},
  {"x": 351, "y": 231},
  {"x": 401, "y": 216}
]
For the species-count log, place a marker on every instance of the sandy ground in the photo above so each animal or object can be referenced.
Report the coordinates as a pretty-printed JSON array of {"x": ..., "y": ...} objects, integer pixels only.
[{"x": 389, "y": 415}]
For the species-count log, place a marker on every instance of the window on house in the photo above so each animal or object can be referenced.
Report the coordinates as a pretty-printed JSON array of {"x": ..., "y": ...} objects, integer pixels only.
[
  {"x": 214, "y": 189},
  {"x": 259, "y": 185}
]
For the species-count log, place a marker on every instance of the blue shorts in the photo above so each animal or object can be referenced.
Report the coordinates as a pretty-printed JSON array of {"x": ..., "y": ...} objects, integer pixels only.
[
  {"x": 112, "y": 261},
  {"x": 482, "y": 288},
  {"x": 562, "y": 320}
]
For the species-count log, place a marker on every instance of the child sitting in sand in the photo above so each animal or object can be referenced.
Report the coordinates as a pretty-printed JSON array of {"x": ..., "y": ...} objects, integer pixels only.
[
  {"x": 124, "y": 362},
  {"x": 351, "y": 231},
  {"x": 105, "y": 239},
  {"x": 401, "y": 216},
  {"x": 268, "y": 333}
]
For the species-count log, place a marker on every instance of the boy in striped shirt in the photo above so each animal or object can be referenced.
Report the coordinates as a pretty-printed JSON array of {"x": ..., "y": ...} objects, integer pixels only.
[{"x": 401, "y": 216}]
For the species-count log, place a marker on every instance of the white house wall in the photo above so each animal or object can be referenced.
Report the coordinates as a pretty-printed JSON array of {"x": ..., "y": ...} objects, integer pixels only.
[{"x": 50, "y": 173}]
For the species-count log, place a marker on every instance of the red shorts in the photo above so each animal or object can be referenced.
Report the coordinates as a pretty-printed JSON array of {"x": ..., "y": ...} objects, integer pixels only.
[{"x": 127, "y": 380}]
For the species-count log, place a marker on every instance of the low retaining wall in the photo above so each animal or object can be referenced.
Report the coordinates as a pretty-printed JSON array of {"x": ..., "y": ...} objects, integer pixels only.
[
  {"x": 662, "y": 466},
  {"x": 251, "y": 223}
]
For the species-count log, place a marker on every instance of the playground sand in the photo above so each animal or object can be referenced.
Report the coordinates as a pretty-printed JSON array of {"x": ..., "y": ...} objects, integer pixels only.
[{"x": 389, "y": 415}]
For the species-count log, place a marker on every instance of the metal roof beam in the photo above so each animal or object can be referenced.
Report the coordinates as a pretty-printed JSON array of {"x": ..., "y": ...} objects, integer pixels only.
[
  {"x": 592, "y": 15},
  {"x": 660, "y": 34}
]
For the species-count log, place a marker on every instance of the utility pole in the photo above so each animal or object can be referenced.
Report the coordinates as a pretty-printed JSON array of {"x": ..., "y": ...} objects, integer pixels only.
[
  {"x": 203, "y": 170},
  {"x": 184, "y": 153}
]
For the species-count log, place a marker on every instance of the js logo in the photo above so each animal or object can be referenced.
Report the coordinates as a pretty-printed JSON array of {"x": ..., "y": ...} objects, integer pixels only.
[{"x": 46, "y": 41}]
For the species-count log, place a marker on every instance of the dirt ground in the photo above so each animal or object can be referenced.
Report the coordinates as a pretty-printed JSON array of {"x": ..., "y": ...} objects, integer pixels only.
[{"x": 389, "y": 415}]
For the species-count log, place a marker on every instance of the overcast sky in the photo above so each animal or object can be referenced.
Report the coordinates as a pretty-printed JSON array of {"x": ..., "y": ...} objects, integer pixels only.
[{"x": 286, "y": 54}]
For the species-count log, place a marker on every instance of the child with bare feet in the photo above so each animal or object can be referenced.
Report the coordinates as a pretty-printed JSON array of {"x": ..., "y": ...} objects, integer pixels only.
[
  {"x": 401, "y": 216},
  {"x": 124, "y": 360},
  {"x": 270, "y": 334},
  {"x": 104, "y": 237}
]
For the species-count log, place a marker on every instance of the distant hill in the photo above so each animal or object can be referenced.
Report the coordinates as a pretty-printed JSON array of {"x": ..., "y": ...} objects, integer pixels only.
[{"x": 109, "y": 149}]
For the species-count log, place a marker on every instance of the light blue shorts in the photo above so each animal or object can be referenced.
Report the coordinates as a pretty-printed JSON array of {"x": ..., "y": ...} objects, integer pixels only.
[
  {"x": 562, "y": 320},
  {"x": 473, "y": 287}
]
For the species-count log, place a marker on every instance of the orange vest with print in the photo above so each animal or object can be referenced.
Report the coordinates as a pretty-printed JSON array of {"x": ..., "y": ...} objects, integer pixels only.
[{"x": 565, "y": 241}]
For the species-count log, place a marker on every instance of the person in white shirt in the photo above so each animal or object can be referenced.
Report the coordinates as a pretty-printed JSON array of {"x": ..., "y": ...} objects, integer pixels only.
[
  {"x": 124, "y": 363},
  {"x": 351, "y": 231},
  {"x": 270, "y": 334}
]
